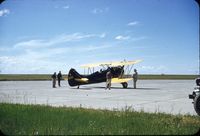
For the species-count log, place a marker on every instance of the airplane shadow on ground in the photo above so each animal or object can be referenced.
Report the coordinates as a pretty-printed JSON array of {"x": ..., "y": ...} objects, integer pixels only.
[
  {"x": 145, "y": 88},
  {"x": 99, "y": 87},
  {"x": 82, "y": 88}
]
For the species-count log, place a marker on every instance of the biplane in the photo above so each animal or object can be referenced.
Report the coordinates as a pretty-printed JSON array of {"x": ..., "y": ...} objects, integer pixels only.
[{"x": 119, "y": 71}]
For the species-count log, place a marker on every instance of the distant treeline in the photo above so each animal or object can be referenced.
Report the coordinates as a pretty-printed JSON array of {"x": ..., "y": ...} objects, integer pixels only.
[{"x": 25, "y": 77}]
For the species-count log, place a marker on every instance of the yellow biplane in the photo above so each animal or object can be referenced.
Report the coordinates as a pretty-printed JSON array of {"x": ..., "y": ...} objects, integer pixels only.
[{"x": 119, "y": 71}]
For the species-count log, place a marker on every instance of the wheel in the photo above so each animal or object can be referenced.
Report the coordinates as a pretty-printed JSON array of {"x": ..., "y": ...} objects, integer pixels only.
[
  {"x": 197, "y": 104},
  {"x": 125, "y": 85}
]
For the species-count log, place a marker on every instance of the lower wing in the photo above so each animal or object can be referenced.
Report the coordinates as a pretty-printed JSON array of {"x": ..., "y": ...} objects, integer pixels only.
[{"x": 120, "y": 80}]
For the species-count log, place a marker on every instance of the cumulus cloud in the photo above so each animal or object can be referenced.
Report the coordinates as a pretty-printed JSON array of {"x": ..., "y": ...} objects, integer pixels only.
[
  {"x": 34, "y": 61},
  {"x": 44, "y": 61},
  {"x": 4, "y": 12},
  {"x": 134, "y": 23},
  {"x": 27, "y": 64},
  {"x": 44, "y": 55},
  {"x": 120, "y": 37}
]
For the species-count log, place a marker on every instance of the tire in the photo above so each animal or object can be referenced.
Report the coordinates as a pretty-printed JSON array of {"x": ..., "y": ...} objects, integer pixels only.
[
  {"x": 125, "y": 85},
  {"x": 197, "y": 104}
]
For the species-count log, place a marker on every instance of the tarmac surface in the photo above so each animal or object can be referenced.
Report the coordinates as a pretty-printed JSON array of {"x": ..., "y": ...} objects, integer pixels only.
[{"x": 169, "y": 96}]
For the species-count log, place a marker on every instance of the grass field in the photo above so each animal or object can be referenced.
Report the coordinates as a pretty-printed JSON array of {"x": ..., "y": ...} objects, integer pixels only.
[
  {"x": 16, "y": 119},
  {"x": 19, "y": 77}
]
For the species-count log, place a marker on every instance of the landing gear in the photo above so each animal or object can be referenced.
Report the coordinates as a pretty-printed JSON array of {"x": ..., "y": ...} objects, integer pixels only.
[{"x": 125, "y": 85}]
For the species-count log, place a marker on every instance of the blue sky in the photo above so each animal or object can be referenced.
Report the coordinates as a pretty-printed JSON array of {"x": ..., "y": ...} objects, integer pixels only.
[{"x": 43, "y": 36}]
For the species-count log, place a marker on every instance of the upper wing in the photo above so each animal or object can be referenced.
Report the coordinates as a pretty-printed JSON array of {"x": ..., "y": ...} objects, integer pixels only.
[
  {"x": 95, "y": 65},
  {"x": 123, "y": 63},
  {"x": 111, "y": 64}
]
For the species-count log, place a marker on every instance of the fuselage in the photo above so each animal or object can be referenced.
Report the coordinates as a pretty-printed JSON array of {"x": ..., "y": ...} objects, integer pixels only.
[{"x": 75, "y": 79}]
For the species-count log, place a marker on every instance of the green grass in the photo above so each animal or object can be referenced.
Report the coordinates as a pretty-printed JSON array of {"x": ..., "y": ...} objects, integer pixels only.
[
  {"x": 21, "y": 77},
  {"x": 16, "y": 119}
]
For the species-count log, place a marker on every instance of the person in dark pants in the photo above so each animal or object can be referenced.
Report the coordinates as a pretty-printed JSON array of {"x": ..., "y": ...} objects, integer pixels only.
[
  {"x": 135, "y": 78},
  {"x": 54, "y": 79},
  {"x": 59, "y": 76},
  {"x": 108, "y": 79}
]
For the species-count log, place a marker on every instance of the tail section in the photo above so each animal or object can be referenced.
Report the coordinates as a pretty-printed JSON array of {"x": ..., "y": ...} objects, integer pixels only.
[{"x": 75, "y": 79}]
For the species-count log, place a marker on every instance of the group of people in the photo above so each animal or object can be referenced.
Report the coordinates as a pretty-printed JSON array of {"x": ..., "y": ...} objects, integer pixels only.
[
  {"x": 109, "y": 78},
  {"x": 59, "y": 77}
]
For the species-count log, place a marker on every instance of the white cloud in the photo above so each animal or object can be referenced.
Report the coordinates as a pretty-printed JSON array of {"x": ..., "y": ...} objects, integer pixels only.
[
  {"x": 38, "y": 43},
  {"x": 66, "y": 7},
  {"x": 100, "y": 10},
  {"x": 133, "y": 23},
  {"x": 97, "y": 11},
  {"x": 47, "y": 60},
  {"x": 4, "y": 12},
  {"x": 91, "y": 47},
  {"x": 44, "y": 55},
  {"x": 120, "y": 37},
  {"x": 31, "y": 44},
  {"x": 103, "y": 35},
  {"x": 4, "y": 49},
  {"x": 62, "y": 7},
  {"x": 138, "y": 38},
  {"x": 27, "y": 64},
  {"x": 33, "y": 61},
  {"x": 160, "y": 69},
  {"x": 148, "y": 67}
]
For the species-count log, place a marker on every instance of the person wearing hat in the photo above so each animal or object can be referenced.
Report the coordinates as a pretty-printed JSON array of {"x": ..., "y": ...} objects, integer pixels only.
[{"x": 135, "y": 77}]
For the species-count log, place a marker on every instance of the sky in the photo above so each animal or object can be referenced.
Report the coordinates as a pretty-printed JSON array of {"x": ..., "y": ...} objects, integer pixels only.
[{"x": 46, "y": 36}]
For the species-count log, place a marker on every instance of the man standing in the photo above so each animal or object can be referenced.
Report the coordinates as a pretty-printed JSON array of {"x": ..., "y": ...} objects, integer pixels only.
[
  {"x": 59, "y": 76},
  {"x": 198, "y": 81},
  {"x": 54, "y": 79},
  {"x": 108, "y": 79},
  {"x": 135, "y": 77}
]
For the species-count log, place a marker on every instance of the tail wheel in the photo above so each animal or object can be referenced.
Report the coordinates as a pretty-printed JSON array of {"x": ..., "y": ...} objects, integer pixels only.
[
  {"x": 197, "y": 104},
  {"x": 125, "y": 85}
]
